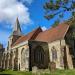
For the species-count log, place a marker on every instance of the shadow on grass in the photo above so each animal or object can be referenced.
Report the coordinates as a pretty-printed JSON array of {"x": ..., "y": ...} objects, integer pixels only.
[{"x": 5, "y": 74}]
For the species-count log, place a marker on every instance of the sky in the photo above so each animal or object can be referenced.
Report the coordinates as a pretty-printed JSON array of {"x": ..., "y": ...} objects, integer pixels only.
[{"x": 29, "y": 12}]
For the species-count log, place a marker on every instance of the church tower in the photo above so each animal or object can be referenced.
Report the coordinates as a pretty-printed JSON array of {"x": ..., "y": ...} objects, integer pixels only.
[{"x": 15, "y": 34}]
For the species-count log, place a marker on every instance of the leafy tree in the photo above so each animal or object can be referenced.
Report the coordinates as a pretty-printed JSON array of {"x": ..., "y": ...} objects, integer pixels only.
[
  {"x": 59, "y": 7},
  {"x": 55, "y": 24}
]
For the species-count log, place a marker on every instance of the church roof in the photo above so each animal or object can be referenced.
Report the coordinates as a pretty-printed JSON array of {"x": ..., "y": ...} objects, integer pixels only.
[
  {"x": 53, "y": 34},
  {"x": 29, "y": 36},
  {"x": 50, "y": 35}
]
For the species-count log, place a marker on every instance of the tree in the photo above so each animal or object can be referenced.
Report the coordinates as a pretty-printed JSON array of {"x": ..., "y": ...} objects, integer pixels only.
[{"x": 58, "y": 7}]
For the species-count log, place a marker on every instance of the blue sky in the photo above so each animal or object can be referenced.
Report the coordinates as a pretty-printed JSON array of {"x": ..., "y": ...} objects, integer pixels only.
[{"x": 29, "y": 12}]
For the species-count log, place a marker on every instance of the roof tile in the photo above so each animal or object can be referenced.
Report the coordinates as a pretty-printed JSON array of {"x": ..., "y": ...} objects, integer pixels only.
[
  {"x": 29, "y": 36},
  {"x": 53, "y": 34}
]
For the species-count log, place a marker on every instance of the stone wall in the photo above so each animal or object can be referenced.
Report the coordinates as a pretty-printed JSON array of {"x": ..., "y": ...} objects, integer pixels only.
[
  {"x": 12, "y": 59},
  {"x": 1, "y": 54},
  {"x": 23, "y": 57},
  {"x": 60, "y": 47},
  {"x": 57, "y": 45},
  {"x": 69, "y": 58}
]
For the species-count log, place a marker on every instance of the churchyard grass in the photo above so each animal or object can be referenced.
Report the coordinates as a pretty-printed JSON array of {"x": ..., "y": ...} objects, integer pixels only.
[{"x": 57, "y": 72}]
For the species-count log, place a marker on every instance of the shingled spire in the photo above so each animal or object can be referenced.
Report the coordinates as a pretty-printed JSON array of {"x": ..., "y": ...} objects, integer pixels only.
[
  {"x": 16, "y": 34},
  {"x": 17, "y": 29}
]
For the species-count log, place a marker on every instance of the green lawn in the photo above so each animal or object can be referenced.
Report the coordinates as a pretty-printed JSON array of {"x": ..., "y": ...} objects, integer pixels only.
[
  {"x": 10, "y": 72},
  {"x": 57, "y": 72}
]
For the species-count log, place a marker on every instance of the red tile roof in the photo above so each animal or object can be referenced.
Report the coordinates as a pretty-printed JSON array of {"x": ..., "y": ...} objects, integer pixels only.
[
  {"x": 46, "y": 36},
  {"x": 53, "y": 33},
  {"x": 29, "y": 36}
]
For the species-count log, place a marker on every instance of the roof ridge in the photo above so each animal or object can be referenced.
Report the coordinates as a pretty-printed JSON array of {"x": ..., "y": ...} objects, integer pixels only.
[{"x": 27, "y": 37}]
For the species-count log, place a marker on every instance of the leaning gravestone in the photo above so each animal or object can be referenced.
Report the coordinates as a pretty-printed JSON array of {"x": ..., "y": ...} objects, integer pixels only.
[{"x": 52, "y": 66}]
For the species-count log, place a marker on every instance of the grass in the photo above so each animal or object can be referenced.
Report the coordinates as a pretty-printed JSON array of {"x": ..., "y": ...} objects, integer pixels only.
[{"x": 57, "y": 72}]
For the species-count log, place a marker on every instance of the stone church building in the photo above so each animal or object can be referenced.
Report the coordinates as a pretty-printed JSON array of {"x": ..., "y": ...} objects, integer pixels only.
[{"x": 40, "y": 48}]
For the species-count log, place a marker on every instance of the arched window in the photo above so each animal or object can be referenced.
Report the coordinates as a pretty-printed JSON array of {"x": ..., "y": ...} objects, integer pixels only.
[
  {"x": 54, "y": 54},
  {"x": 23, "y": 57},
  {"x": 16, "y": 59},
  {"x": 39, "y": 55}
]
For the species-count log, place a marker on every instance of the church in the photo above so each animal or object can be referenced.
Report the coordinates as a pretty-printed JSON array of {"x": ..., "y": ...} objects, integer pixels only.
[{"x": 40, "y": 48}]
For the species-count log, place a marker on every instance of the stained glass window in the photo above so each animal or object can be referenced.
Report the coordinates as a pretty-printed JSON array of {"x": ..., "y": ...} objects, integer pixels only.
[
  {"x": 54, "y": 54},
  {"x": 39, "y": 55}
]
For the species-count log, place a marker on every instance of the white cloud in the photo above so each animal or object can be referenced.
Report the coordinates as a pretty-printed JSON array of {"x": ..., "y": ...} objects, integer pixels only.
[
  {"x": 44, "y": 28},
  {"x": 10, "y": 9}
]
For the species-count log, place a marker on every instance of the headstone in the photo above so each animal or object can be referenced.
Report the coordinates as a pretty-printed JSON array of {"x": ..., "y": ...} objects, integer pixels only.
[
  {"x": 52, "y": 66},
  {"x": 34, "y": 69}
]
